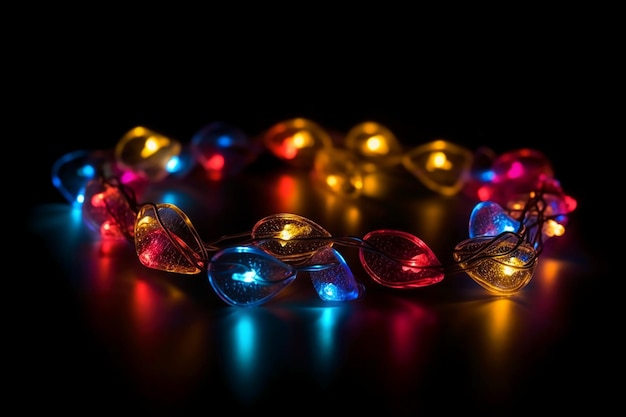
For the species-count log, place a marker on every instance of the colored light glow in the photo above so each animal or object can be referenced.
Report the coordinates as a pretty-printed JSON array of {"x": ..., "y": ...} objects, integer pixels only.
[
  {"x": 225, "y": 141},
  {"x": 438, "y": 160},
  {"x": 291, "y": 231},
  {"x": 302, "y": 139},
  {"x": 173, "y": 164},
  {"x": 248, "y": 276},
  {"x": 552, "y": 228},
  {"x": 501, "y": 253},
  {"x": 376, "y": 145},
  {"x": 289, "y": 149},
  {"x": 215, "y": 163},
  {"x": 515, "y": 171}
]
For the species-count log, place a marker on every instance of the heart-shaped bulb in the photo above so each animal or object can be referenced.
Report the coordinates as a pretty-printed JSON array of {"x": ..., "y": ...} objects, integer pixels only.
[
  {"x": 289, "y": 237},
  {"x": 107, "y": 210},
  {"x": 441, "y": 166},
  {"x": 502, "y": 264},
  {"x": 166, "y": 240},
  {"x": 248, "y": 276},
  {"x": 400, "y": 260},
  {"x": 334, "y": 281}
]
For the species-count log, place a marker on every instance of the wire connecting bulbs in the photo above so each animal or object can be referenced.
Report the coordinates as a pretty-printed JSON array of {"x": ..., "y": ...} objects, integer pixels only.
[{"x": 521, "y": 205}]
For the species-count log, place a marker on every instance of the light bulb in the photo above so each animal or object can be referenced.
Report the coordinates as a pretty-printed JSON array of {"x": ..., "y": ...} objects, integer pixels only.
[
  {"x": 223, "y": 150},
  {"x": 290, "y": 237},
  {"x": 374, "y": 142},
  {"x": 441, "y": 166},
  {"x": 148, "y": 153},
  {"x": 513, "y": 175},
  {"x": 107, "y": 210},
  {"x": 72, "y": 172},
  {"x": 334, "y": 281},
  {"x": 502, "y": 264},
  {"x": 339, "y": 171},
  {"x": 297, "y": 141},
  {"x": 248, "y": 276},
  {"x": 165, "y": 239},
  {"x": 489, "y": 219},
  {"x": 400, "y": 260}
]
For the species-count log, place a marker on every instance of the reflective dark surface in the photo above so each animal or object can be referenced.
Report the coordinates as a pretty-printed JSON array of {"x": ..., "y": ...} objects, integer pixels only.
[
  {"x": 112, "y": 335},
  {"x": 96, "y": 333}
]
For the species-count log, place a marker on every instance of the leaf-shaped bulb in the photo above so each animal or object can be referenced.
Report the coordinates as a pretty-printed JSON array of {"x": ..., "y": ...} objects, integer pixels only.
[
  {"x": 148, "y": 153},
  {"x": 107, "y": 210},
  {"x": 400, "y": 260},
  {"x": 290, "y": 237},
  {"x": 503, "y": 264},
  {"x": 248, "y": 276},
  {"x": 374, "y": 142},
  {"x": 166, "y": 240},
  {"x": 334, "y": 281},
  {"x": 440, "y": 165}
]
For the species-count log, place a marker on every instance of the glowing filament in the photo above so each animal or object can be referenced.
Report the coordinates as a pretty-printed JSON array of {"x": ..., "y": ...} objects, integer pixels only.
[
  {"x": 512, "y": 269},
  {"x": 552, "y": 228},
  {"x": 332, "y": 181},
  {"x": 98, "y": 200},
  {"x": 302, "y": 139},
  {"x": 416, "y": 263},
  {"x": 376, "y": 145},
  {"x": 215, "y": 163},
  {"x": 438, "y": 160},
  {"x": 330, "y": 290},
  {"x": 248, "y": 276},
  {"x": 516, "y": 170},
  {"x": 291, "y": 231}
]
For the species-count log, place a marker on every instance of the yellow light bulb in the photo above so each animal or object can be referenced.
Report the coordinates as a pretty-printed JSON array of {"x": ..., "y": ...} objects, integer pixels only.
[
  {"x": 147, "y": 153},
  {"x": 339, "y": 171},
  {"x": 440, "y": 165},
  {"x": 374, "y": 142}
]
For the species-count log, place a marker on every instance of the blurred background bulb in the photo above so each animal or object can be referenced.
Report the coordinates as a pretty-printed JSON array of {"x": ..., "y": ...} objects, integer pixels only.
[
  {"x": 148, "y": 153},
  {"x": 223, "y": 150},
  {"x": 440, "y": 165},
  {"x": 339, "y": 171},
  {"x": 297, "y": 141},
  {"x": 374, "y": 142}
]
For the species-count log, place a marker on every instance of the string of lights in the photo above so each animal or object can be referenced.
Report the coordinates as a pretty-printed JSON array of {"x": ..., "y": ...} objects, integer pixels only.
[{"x": 520, "y": 205}]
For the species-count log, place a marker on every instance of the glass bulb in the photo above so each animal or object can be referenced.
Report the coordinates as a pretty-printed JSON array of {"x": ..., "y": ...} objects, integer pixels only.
[
  {"x": 374, "y": 142},
  {"x": 72, "y": 172},
  {"x": 223, "y": 150},
  {"x": 296, "y": 141},
  {"x": 441, "y": 166},
  {"x": 338, "y": 171},
  {"x": 147, "y": 153},
  {"x": 166, "y": 240},
  {"x": 502, "y": 264}
]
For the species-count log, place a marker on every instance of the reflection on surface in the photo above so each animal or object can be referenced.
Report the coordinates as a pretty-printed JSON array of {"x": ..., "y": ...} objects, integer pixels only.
[
  {"x": 150, "y": 326},
  {"x": 173, "y": 339}
]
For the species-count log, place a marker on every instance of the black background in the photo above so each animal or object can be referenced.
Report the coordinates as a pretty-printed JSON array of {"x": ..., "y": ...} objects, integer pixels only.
[{"x": 82, "y": 87}]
